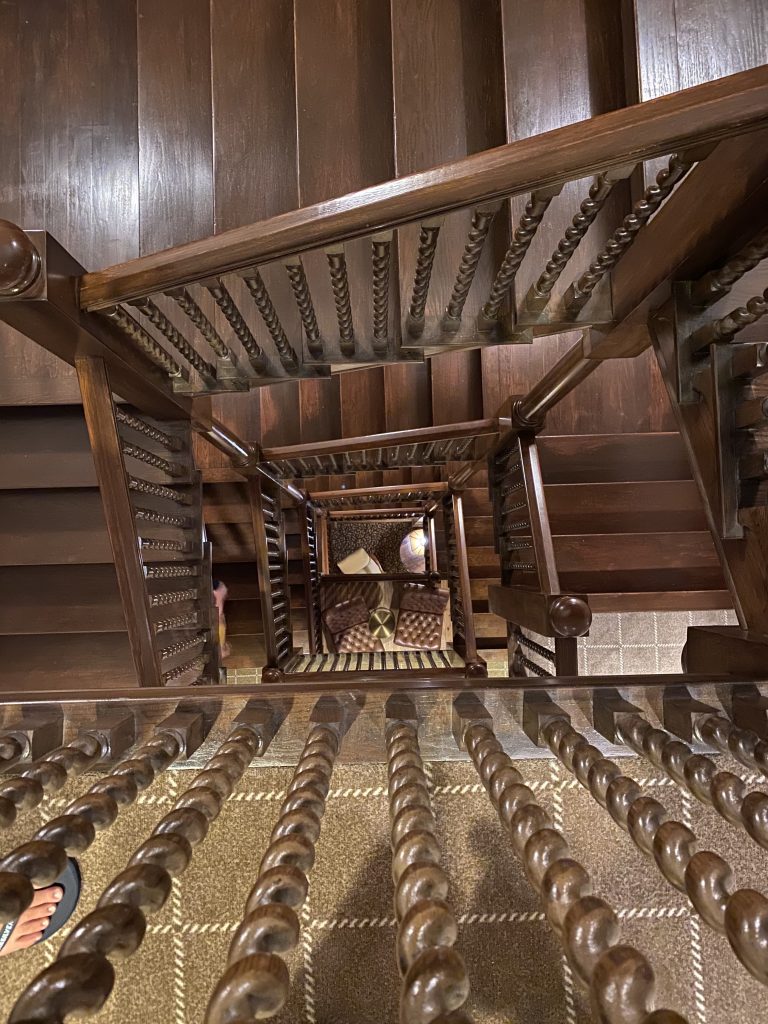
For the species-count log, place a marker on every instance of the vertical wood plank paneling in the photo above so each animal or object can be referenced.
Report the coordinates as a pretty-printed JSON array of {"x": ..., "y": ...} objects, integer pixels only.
[
  {"x": 362, "y": 402},
  {"x": 254, "y": 110},
  {"x": 176, "y": 149},
  {"x": 345, "y": 133},
  {"x": 407, "y": 398},
  {"x": 449, "y": 102},
  {"x": 70, "y": 160},
  {"x": 320, "y": 409}
]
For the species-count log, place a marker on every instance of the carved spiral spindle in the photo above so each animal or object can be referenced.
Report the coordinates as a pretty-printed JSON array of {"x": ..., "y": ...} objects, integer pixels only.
[
  {"x": 196, "y": 666},
  {"x": 721, "y": 790},
  {"x": 255, "y": 284},
  {"x": 534, "y": 212},
  {"x": 744, "y": 746},
  {"x": 46, "y": 775},
  {"x": 599, "y": 191},
  {"x": 158, "y": 491},
  {"x": 185, "y": 302},
  {"x": 337, "y": 267},
  {"x": 133, "y": 451},
  {"x": 295, "y": 270},
  {"x": 381, "y": 248},
  {"x": 227, "y": 305},
  {"x": 435, "y": 982},
  {"x": 149, "y": 515},
  {"x": 473, "y": 250},
  {"x": 159, "y": 320},
  {"x": 255, "y": 982},
  {"x": 718, "y": 283},
  {"x": 145, "y": 342},
  {"x": 142, "y": 427},
  {"x": 579, "y": 292},
  {"x": 163, "y": 571},
  {"x": 728, "y": 326},
  {"x": 11, "y": 752},
  {"x": 705, "y": 877},
  {"x": 425, "y": 258},
  {"x": 40, "y": 861},
  {"x": 172, "y": 597},
  {"x": 116, "y": 928},
  {"x": 620, "y": 980}
]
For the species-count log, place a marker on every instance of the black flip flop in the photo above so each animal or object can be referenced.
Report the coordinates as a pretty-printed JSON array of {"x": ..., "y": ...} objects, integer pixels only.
[{"x": 71, "y": 882}]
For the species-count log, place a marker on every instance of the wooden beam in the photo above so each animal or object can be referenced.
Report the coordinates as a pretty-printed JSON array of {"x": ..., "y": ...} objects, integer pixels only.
[
  {"x": 118, "y": 512},
  {"x": 724, "y": 107}
]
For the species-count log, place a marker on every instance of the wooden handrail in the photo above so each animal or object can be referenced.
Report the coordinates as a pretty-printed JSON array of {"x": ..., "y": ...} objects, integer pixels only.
[
  {"x": 714, "y": 110},
  {"x": 417, "y": 435},
  {"x": 360, "y": 492}
]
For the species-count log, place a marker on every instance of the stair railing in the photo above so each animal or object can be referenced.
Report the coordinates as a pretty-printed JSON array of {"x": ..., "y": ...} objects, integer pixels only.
[
  {"x": 152, "y": 319},
  {"x": 498, "y": 727},
  {"x": 396, "y": 449},
  {"x": 462, "y": 618},
  {"x": 152, "y": 500}
]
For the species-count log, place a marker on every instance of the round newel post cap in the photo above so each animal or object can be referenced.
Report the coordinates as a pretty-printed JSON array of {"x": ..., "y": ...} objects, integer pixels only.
[
  {"x": 570, "y": 616},
  {"x": 19, "y": 260},
  {"x": 272, "y": 675}
]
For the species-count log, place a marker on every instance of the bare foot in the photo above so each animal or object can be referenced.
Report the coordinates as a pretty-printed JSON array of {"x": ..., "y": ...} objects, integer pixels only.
[{"x": 30, "y": 926}]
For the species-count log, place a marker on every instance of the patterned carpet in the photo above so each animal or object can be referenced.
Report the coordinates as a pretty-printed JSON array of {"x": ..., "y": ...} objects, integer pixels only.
[{"x": 344, "y": 972}]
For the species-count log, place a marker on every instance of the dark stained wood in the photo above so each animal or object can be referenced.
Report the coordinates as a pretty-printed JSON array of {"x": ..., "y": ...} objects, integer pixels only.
[
  {"x": 448, "y": 97},
  {"x": 60, "y": 599},
  {"x": 280, "y": 414},
  {"x": 100, "y": 662},
  {"x": 576, "y": 73},
  {"x": 175, "y": 138},
  {"x": 69, "y": 153},
  {"x": 118, "y": 512},
  {"x": 457, "y": 390},
  {"x": 541, "y": 535},
  {"x": 320, "y": 409},
  {"x": 254, "y": 100},
  {"x": 661, "y": 601},
  {"x": 45, "y": 447},
  {"x": 462, "y": 585},
  {"x": 407, "y": 398},
  {"x": 54, "y": 527},
  {"x": 727, "y": 106},
  {"x": 361, "y": 396},
  {"x": 726, "y": 649},
  {"x": 356, "y": 411},
  {"x": 613, "y": 457}
]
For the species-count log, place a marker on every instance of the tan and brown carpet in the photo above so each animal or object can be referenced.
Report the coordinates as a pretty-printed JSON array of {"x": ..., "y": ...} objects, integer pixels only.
[{"x": 344, "y": 971}]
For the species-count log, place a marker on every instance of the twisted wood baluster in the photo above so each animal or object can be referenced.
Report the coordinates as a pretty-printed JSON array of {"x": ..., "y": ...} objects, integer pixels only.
[
  {"x": 721, "y": 790},
  {"x": 158, "y": 319},
  {"x": 11, "y": 752},
  {"x": 142, "y": 427},
  {"x": 185, "y": 302},
  {"x": 473, "y": 250},
  {"x": 425, "y": 258},
  {"x": 254, "y": 985},
  {"x": 744, "y": 746},
  {"x": 620, "y": 980},
  {"x": 705, "y": 877},
  {"x": 46, "y": 775},
  {"x": 255, "y": 284},
  {"x": 81, "y": 979},
  {"x": 40, "y": 861},
  {"x": 579, "y": 292},
  {"x": 158, "y": 491},
  {"x": 728, "y": 326},
  {"x": 295, "y": 270},
  {"x": 133, "y": 451},
  {"x": 435, "y": 982},
  {"x": 534, "y": 212},
  {"x": 337, "y": 266},
  {"x": 599, "y": 191},
  {"x": 718, "y": 283},
  {"x": 150, "y": 515},
  {"x": 228, "y": 307},
  {"x": 381, "y": 248},
  {"x": 145, "y": 342}
]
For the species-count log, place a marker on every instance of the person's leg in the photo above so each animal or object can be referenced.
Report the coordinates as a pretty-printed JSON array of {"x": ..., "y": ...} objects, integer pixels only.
[
  {"x": 29, "y": 928},
  {"x": 220, "y": 596}
]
